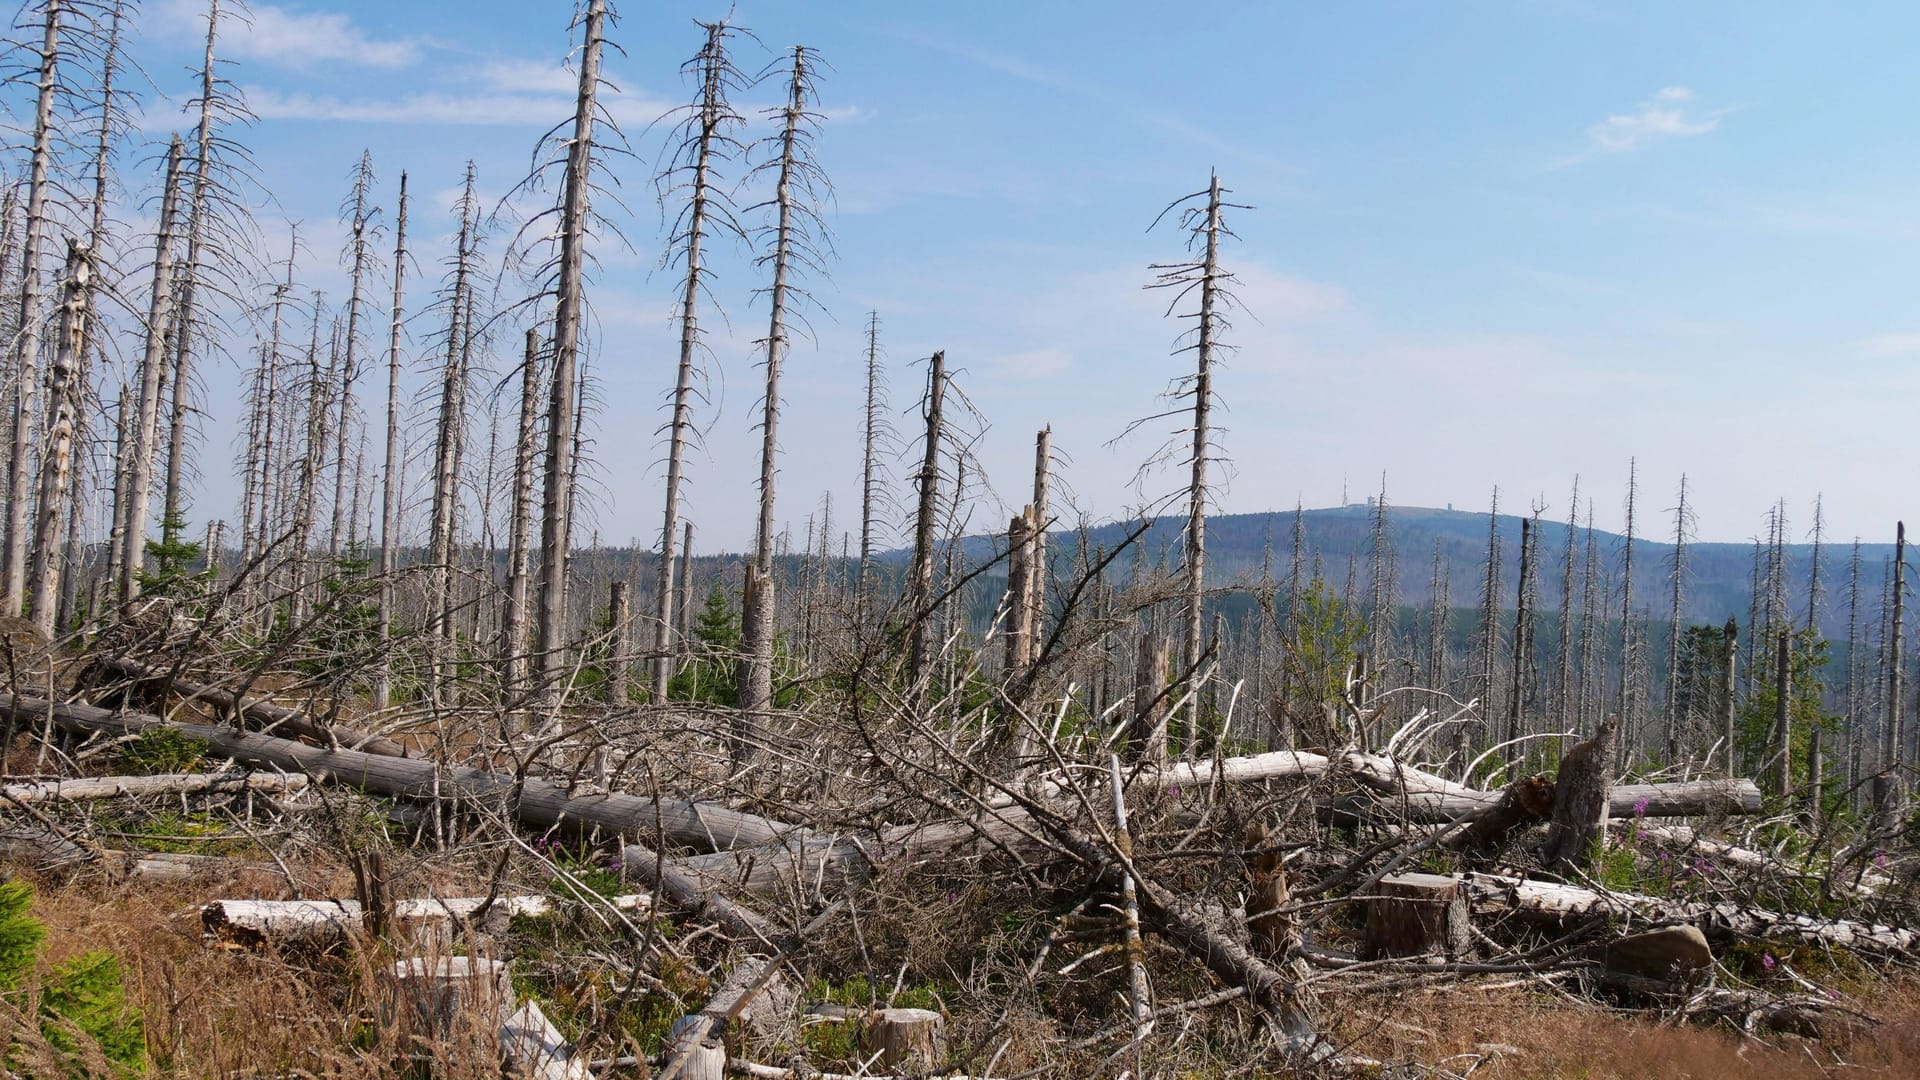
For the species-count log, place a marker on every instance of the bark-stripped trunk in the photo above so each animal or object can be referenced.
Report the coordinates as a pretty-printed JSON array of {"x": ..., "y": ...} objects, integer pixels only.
[
  {"x": 920, "y": 582},
  {"x": 173, "y": 508},
  {"x": 13, "y": 589},
  {"x": 1564, "y": 708},
  {"x": 1673, "y": 625},
  {"x": 152, "y": 362},
  {"x": 343, "y": 508},
  {"x": 520, "y": 523},
  {"x": 1628, "y": 743},
  {"x": 390, "y": 487},
  {"x": 1522, "y": 642},
  {"x": 1783, "y": 719},
  {"x": 449, "y": 437},
  {"x": 1037, "y": 590},
  {"x": 1729, "y": 717},
  {"x": 63, "y": 401},
  {"x": 557, "y": 502},
  {"x": 1887, "y": 787},
  {"x": 871, "y": 426},
  {"x": 756, "y": 665},
  {"x": 1195, "y": 569}
]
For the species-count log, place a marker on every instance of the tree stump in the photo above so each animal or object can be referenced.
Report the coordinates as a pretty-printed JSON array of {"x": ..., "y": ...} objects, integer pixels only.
[
  {"x": 1581, "y": 803},
  {"x": 703, "y": 1060},
  {"x": 441, "y": 1002},
  {"x": 907, "y": 1040},
  {"x": 1417, "y": 915},
  {"x": 1273, "y": 929}
]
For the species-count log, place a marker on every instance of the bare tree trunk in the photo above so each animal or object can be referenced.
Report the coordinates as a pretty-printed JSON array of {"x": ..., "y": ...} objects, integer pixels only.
[
  {"x": 1195, "y": 570},
  {"x": 1019, "y": 601},
  {"x": 520, "y": 526},
  {"x": 390, "y": 488},
  {"x": 449, "y": 437},
  {"x": 1522, "y": 644},
  {"x": 1628, "y": 744},
  {"x": 357, "y": 227},
  {"x": 708, "y": 140},
  {"x": 619, "y": 643},
  {"x": 1038, "y": 567},
  {"x": 920, "y": 634},
  {"x": 1564, "y": 708},
  {"x": 684, "y": 643},
  {"x": 1580, "y": 802},
  {"x": 872, "y": 426},
  {"x": 1887, "y": 786},
  {"x": 1729, "y": 717},
  {"x": 173, "y": 508},
  {"x": 13, "y": 590},
  {"x": 757, "y": 615},
  {"x": 152, "y": 362},
  {"x": 1782, "y": 720},
  {"x": 63, "y": 394},
  {"x": 557, "y": 502},
  {"x": 1148, "y": 739},
  {"x": 1673, "y": 625}
]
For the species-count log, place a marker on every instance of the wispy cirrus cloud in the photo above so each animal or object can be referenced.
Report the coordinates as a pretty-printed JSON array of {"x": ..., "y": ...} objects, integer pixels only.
[
  {"x": 1669, "y": 115},
  {"x": 292, "y": 37}
]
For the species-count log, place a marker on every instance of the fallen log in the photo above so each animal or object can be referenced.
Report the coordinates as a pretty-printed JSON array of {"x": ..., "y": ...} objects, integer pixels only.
[
  {"x": 50, "y": 851},
  {"x": 537, "y": 803},
  {"x": 113, "y": 787},
  {"x": 1496, "y": 893},
  {"x": 254, "y": 924},
  {"x": 1693, "y": 798},
  {"x": 272, "y": 719}
]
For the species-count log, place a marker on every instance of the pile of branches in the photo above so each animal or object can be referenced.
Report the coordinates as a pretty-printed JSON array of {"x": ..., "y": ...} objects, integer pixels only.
[{"x": 1058, "y": 901}]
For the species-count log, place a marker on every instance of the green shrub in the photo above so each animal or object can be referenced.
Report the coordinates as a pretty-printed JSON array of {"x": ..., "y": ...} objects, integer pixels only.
[{"x": 82, "y": 998}]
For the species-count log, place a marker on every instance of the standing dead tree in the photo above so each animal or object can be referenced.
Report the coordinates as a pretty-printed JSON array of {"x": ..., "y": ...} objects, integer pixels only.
[
  {"x": 360, "y": 217},
  {"x": 1208, "y": 286},
  {"x": 450, "y": 433},
  {"x": 877, "y": 435},
  {"x": 920, "y": 575},
  {"x": 63, "y": 405},
  {"x": 1682, "y": 527},
  {"x": 26, "y": 346},
  {"x": 704, "y": 142},
  {"x": 1886, "y": 783},
  {"x": 794, "y": 245},
  {"x": 139, "y": 476},
  {"x": 569, "y": 294},
  {"x": 390, "y": 483}
]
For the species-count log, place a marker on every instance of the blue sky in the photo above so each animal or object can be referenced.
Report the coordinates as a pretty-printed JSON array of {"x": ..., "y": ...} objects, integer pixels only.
[{"x": 1494, "y": 243}]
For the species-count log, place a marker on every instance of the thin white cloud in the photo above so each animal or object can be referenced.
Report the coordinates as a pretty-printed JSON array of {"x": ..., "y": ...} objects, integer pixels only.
[
  {"x": 292, "y": 37},
  {"x": 426, "y": 108},
  {"x": 1668, "y": 115}
]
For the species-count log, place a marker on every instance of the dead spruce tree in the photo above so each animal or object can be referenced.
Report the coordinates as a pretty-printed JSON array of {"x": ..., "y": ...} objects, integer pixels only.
[
  {"x": 520, "y": 519},
  {"x": 220, "y": 243},
  {"x": 1887, "y": 788},
  {"x": 703, "y": 142},
  {"x": 26, "y": 346},
  {"x": 391, "y": 485},
  {"x": 153, "y": 360},
  {"x": 63, "y": 404},
  {"x": 877, "y": 437},
  {"x": 1682, "y": 528},
  {"x": 925, "y": 520},
  {"x": 1208, "y": 287},
  {"x": 569, "y": 296},
  {"x": 457, "y": 301},
  {"x": 359, "y": 215},
  {"x": 793, "y": 244}
]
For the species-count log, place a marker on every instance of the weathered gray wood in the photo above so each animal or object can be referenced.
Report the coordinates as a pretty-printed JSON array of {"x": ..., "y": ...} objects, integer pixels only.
[
  {"x": 1580, "y": 801},
  {"x": 537, "y": 1049},
  {"x": 539, "y": 803},
  {"x": 1418, "y": 915},
  {"x": 114, "y": 787},
  {"x": 445, "y": 1001},
  {"x": 426, "y": 921}
]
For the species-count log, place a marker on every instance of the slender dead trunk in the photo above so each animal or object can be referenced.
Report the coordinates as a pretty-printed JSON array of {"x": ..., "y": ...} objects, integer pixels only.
[
  {"x": 1729, "y": 717},
  {"x": 683, "y": 644},
  {"x": 13, "y": 590},
  {"x": 390, "y": 487},
  {"x": 1196, "y": 539},
  {"x": 1522, "y": 642},
  {"x": 173, "y": 509},
  {"x": 920, "y": 634},
  {"x": 1887, "y": 786},
  {"x": 872, "y": 424},
  {"x": 357, "y": 227},
  {"x": 1673, "y": 625},
  {"x": 1037, "y": 590},
  {"x": 757, "y": 614},
  {"x": 569, "y": 300},
  {"x": 63, "y": 400},
  {"x": 1782, "y": 720},
  {"x": 449, "y": 436},
  {"x": 520, "y": 524},
  {"x": 152, "y": 363}
]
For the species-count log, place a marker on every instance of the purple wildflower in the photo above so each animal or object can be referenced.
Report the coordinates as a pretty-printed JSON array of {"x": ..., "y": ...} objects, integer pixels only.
[
  {"x": 1173, "y": 790},
  {"x": 1767, "y": 961},
  {"x": 1880, "y": 859},
  {"x": 1640, "y": 808}
]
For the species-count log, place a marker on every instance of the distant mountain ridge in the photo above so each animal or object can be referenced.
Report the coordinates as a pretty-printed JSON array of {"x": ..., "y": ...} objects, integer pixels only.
[{"x": 1718, "y": 579}]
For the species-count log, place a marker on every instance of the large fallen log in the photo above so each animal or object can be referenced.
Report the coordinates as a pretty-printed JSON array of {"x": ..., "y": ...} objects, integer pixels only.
[
  {"x": 1497, "y": 893},
  {"x": 272, "y": 719},
  {"x": 1693, "y": 798},
  {"x": 114, "y": 787},
  {"x": 537, "y": 803}
]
